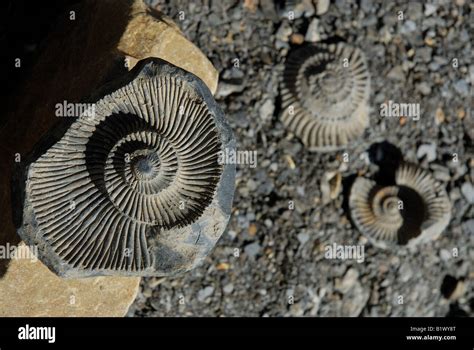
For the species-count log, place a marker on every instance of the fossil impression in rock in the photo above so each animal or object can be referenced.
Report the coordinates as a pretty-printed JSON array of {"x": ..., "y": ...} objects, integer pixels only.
[
  {"x": 325, "y": 91},
  {"x": 136, "y": 188},
  {"x": 415, "y": 209}
]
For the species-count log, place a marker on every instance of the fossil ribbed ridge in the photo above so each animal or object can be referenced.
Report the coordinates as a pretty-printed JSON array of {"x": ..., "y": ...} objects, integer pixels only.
[
  {"x": 137, "y": 188},
  {"x": 415, "y": 209},
  {"x": 324, "y": 96}
]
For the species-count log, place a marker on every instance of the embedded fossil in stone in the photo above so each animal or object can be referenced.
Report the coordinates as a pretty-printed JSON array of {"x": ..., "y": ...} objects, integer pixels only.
[
  {"x": 135, "y": 189},
  {"x": 415, "y": 209},
  {"x": 325, "y": 91}
]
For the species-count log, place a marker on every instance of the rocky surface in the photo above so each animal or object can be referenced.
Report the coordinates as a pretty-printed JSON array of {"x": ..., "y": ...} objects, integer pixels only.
[{"x": 271, "y": 261}]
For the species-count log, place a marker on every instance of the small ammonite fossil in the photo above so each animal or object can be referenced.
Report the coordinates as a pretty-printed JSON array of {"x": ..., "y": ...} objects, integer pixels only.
[
  {"x": 414, "y": 209},
  {"x": 325, "y": 91},
  {"x": 136, "y": 188}
]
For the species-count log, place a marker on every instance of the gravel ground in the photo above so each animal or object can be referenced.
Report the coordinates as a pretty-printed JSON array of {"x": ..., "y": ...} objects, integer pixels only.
[{"x": 271, "y": 260}]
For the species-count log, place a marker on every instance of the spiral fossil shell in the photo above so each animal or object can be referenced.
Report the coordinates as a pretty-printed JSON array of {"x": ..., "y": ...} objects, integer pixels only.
[
  {"x": 135, "y": 189},
  {"x": 325, "y": 91},
  {"x": 415, "y": 209}
]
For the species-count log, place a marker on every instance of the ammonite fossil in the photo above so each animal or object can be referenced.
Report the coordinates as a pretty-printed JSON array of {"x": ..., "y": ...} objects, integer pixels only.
[
  {"x": 415, "y": 209},
  {"x": 325, "y": 91},
  {"x": 136, "y": 188}
]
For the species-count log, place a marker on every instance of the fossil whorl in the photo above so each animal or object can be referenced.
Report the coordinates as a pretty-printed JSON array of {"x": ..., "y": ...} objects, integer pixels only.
[
  {"x": 415, "y": 209},
  {"x": 325, "y": 91},
  {"x": 135, "y": 189}
]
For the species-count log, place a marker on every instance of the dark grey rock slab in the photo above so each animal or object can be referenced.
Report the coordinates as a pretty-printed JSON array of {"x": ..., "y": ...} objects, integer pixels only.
[{"x": 133, "y": 186}]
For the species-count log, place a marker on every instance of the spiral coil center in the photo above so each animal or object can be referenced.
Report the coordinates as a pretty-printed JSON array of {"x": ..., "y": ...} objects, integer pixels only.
[
  {"x": 146, "y": 166},
  {"x": 386, "y": 205}
]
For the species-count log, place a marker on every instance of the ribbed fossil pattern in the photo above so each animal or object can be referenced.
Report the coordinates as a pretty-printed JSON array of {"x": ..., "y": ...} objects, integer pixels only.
[
  {"x": 325, "y": 91},
  {"x": 146, "y": 161},
  {"x": 398, "y": 213}
]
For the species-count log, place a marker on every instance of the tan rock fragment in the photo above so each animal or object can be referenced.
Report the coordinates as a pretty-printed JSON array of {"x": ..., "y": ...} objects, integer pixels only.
[
  {"x": 29, "y": 289},
  {"x": 157, "y": 36}
]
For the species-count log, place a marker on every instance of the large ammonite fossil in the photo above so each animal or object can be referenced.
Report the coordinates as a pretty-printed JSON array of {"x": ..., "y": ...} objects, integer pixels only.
[
  {"x": 136, "y": 188},
  {"x": 325, "y": 91},
  {"x": 415, "y": 209}
]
